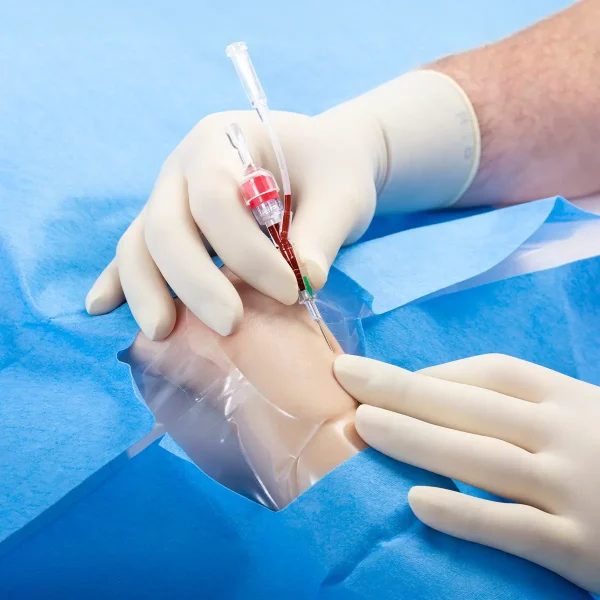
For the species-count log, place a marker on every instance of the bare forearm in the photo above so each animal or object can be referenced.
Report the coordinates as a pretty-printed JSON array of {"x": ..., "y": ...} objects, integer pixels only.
[{"x": 537, "y": 98}]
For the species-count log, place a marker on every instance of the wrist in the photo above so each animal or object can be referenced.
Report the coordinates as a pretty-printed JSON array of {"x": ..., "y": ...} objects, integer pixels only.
[{"x": 483, "y": 74}]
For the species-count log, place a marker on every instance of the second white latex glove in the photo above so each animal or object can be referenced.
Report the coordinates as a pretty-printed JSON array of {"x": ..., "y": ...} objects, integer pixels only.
[{"x": 504, "y": 425}]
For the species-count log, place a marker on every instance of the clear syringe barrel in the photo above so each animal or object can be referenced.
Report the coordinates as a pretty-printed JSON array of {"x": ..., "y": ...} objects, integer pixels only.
[{"x": 238, "y": 52}]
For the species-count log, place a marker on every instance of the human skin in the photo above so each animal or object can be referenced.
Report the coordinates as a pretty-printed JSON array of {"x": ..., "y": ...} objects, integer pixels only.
[
  {"x": 283, "y": 355},
  {"x": 537, "y": 98}
]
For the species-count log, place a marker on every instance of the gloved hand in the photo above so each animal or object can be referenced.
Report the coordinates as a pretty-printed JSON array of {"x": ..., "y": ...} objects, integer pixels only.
[
  {"x": 414, "y": 139},
  {"x": 507, "y": 426}
]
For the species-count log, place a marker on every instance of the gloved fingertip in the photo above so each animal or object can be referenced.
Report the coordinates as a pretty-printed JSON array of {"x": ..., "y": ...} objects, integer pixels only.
[
  {"x": 316, "y": 271},
  {"x": 99, "y": 303},
  {"x": 416, "y": 494},
  {"x": 91, "y": 303},
  {"x": 224, "y": 326},
  {"x": 158, "y": 327},
  {"x": 226, "y": 319},
  {"x": 287, "y": 294},
  {"x": 277, "y": 282},
  {"x": 349, "y": 371},
  {"x": 367, "y": 423},
  {"x": 422, "y": 501},
  {"x": 106, "y": 293}
]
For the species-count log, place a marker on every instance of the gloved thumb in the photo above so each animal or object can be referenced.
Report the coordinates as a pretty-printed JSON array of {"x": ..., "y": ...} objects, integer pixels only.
[{"x": 328, "y": 217}]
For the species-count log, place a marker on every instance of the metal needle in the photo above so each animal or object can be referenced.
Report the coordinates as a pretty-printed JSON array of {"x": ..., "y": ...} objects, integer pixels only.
[{"x": 320, "y": 324}]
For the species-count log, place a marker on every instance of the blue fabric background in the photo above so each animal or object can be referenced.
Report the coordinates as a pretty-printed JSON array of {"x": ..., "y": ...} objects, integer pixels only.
[
  {"x": 93, "y": 97},
  {"x": 159, "y": 526}
]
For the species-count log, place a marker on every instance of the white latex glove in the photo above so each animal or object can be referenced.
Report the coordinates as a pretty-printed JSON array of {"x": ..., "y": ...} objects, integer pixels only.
[
  {"x": 504, "y": 425},
  {"x": 415, "y": 138}
]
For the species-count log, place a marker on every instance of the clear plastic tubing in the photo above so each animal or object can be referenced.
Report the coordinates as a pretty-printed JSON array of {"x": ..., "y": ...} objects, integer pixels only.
[{"x": 238, "y": 52}]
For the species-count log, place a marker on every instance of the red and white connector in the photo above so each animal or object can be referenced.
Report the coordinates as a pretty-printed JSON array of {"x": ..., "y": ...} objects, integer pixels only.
[{"x": 259, "y": 188}]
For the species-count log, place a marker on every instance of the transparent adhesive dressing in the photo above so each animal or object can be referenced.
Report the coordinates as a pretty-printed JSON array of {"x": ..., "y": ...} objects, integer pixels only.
[{"x": 222, "y": 422}]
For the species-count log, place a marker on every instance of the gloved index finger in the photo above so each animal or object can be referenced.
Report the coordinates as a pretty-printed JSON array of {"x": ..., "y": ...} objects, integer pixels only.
[{"x": 445, "y": 403}]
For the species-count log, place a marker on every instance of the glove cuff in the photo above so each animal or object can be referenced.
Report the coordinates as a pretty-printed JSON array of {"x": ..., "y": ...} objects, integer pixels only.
[{"x": 429, "y": 143}]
